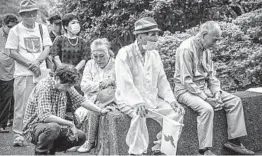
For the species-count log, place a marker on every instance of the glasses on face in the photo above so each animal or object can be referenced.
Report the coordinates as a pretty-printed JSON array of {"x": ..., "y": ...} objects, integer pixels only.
[
  {"x": 153, "y": 34},
  {"x": 30, "y": 14}
]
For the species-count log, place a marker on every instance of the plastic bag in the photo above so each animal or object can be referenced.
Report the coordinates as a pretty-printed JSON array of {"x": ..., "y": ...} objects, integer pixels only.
[{"x": 170, "y": 135}]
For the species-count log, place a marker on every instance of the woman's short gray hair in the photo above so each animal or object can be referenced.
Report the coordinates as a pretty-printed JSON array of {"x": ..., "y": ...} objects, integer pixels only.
[
  {"x": 210, "y": 26},
  {"x": 101, "y": 42}
]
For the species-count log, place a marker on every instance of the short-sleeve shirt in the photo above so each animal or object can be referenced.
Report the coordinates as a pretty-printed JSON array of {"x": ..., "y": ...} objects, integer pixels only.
[
  {"x": 29, "y": 44},
  {"x": 46, "y": 100},
  {"x": 70, "y": 51}
]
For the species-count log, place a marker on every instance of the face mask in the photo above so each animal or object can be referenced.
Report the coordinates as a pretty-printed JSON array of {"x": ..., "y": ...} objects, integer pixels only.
[
  {"x": 75, "y": 28},
  {"x": 150, "y": 46}
]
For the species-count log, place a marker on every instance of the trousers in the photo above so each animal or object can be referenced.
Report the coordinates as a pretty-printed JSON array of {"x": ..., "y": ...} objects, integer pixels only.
[
  {"x": 23, "y": 86},
  {"x": 52, "y": 137},
  {"x": 234, "y": 113},
  {"x": 6, "y": 95}
]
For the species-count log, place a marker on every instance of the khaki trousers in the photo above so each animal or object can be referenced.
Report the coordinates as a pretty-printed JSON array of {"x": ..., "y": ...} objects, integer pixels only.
[
  {"x": 23, "y": 86},
  {"x": 163, "y": 108},
  {"x": 234, "y": 113}
]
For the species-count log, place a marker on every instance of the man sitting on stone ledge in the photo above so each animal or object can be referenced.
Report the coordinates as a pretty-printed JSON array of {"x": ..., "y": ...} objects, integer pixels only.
[
  {"x": 44, "y": 123},
  {"x": 197, "y": 87},
  {"x": 141, "y": 83}
]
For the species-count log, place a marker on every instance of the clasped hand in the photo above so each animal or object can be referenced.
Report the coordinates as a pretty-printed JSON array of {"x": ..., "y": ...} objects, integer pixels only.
[
  {"x": 104, "y": 84},
  {"x": 177, "y": 107},
  {"x": 35, "y": 68},
  {"x": 216, "y": 101}
]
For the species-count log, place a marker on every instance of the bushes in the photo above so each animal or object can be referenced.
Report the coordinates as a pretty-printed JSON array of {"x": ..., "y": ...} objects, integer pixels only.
[
  {"x": 237, "y": 57},
  {"x": 114, "y": 19}
]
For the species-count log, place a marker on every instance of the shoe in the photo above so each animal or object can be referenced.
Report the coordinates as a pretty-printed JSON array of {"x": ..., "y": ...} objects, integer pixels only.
[
  {"x": 238, "y": 148},
  {"x": 18, "y": 142},
  {"x": 208, "y": 152},
  {"x": 73, "y": 149},
  {"x": 86, "y": 147},
  {"x": 3, "y": 130},
  {"x": 157, "y": 152},
  {"x": 41, "y": 153}
]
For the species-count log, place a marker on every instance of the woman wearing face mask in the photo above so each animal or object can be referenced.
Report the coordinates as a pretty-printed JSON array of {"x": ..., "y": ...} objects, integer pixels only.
[
  {"x": 98, "y": 84},
  {"x": 70, "y": 48}
]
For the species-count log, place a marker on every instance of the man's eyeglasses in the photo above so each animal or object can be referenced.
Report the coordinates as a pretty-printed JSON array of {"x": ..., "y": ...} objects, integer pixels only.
[{"x": 30, "y": 14}]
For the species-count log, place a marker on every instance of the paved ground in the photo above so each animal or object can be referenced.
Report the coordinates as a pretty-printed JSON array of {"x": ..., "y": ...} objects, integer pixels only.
[{"x": 6, "y": 147}]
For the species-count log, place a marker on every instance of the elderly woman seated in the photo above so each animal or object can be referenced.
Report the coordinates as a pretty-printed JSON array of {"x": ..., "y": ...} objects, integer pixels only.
[{"x": 98, "y": 85}]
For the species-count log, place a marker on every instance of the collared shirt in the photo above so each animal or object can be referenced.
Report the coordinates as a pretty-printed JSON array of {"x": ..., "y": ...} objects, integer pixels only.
[
  {"x": 139, "y": 81},
  {"x": 194, "y": 70},
  {"x": 93, "y": 75},
  {"x": 46, "y": 100},
  {"x": 7, "y": 66}
]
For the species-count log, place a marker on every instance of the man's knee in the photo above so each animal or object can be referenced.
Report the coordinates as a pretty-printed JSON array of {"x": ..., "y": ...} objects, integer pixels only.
[
  {"x": 207, "y": 110},
  {"x": 54, "y": 129}
]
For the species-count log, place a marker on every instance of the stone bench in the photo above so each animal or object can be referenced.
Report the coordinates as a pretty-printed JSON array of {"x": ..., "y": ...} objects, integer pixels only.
[{"x": 114, "y": 126}]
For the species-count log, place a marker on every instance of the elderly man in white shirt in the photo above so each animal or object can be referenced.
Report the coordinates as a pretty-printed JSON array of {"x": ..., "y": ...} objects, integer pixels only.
[{"x": 141, "y": 83}]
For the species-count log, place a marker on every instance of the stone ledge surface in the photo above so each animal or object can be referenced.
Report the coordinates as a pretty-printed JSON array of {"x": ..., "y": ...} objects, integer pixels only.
[{"x": 114, "y": 127}]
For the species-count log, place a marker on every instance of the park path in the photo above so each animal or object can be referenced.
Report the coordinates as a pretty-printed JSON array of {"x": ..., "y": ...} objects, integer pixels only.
[{"x": 6, "y": 147}]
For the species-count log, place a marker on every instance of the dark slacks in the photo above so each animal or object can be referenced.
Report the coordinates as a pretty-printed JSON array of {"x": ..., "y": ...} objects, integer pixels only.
[
  {"x": 51, "y": 137},
  {"x": 6, "y": 95}
]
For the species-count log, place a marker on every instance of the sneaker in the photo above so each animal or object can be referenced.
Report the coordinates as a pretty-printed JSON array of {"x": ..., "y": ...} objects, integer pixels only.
[
  {"x": 157, "y": 152},
  {"x": 208, "y": 152},
  {"x": 18, "y": 142},
  {"x": 73, "y": 149},
  {"x": 238, "y": 148},
  {"x": 86, "y": 147}
]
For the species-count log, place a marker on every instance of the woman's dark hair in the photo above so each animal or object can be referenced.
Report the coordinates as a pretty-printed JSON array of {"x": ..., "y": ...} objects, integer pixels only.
[
  {"x": 54, "y": 19},
  {"x": 10, "y": 18},
  {"x": 68, "y": 18},
  {"x": 68, "y": 74}
]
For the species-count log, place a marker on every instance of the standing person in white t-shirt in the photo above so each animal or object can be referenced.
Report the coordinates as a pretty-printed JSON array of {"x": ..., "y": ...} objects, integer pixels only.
[{"x": 28, "y": 44}]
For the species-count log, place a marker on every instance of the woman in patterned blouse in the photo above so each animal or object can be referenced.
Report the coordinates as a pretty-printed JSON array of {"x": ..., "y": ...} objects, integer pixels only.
[
  {"x": 70, "y": 48},
  {"x": 98, "y": 84}
]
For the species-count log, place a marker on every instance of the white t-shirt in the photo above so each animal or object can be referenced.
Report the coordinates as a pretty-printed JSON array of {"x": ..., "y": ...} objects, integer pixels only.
[{"x": 29, "y": 44}]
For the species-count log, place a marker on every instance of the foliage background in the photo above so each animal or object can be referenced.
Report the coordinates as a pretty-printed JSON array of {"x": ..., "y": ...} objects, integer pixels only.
[{"x": 237, "y": 57}]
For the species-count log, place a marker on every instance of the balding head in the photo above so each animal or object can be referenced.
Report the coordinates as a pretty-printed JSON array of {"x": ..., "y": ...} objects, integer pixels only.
[
  {"x": 210, "y": 32},
  {"x": 211, "y": 27}
]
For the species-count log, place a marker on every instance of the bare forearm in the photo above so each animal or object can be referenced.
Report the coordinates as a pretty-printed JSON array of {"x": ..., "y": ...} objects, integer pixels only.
[
  {"x": 44, "y": 54},
  {"x": 80, "y": 65},
  {"x": 19, "y": 58},
  {"x": 91, "y": 106},
  {"x": 60, "y": 121},
  {"x": 57, "y": 61}
]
